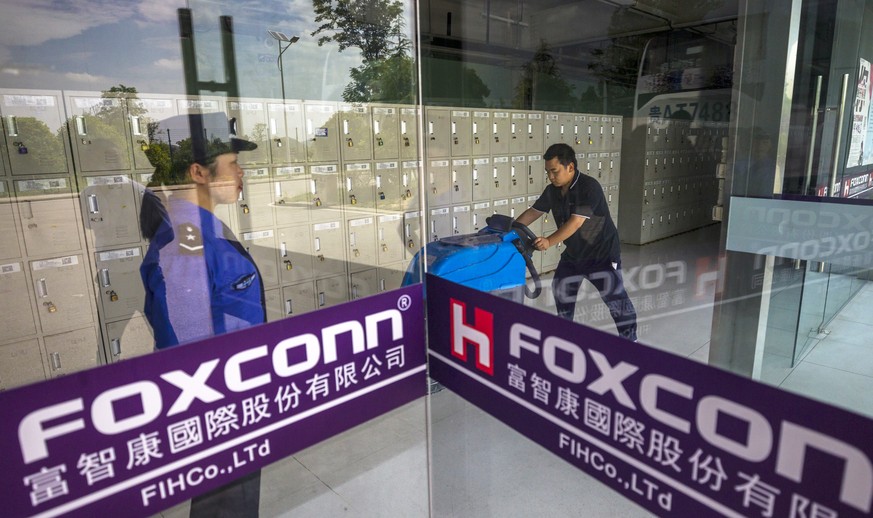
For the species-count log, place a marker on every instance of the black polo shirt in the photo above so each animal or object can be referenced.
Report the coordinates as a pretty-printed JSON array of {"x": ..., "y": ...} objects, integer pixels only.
[{"x": 597, "y": 238}]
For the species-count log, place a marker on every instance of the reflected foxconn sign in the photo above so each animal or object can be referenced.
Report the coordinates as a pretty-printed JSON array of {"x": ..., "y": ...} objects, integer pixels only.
[
  {"x": 150, "y": 432},
  {"x": 678, "y": 437}
]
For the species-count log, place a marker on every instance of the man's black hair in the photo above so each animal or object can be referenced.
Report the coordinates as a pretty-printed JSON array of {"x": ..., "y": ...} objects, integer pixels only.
[{"x": 564, "y": 153}]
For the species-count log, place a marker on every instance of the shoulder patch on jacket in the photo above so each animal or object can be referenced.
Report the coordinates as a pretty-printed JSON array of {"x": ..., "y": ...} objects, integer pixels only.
[
  {"x": 244, "y": 282},
  {"x": 190, "y": 239}
]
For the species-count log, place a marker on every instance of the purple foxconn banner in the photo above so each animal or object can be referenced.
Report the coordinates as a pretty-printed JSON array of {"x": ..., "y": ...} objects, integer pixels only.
[
  {"x": 150, "y": 432},
  {"x": 678, "y": 437}
]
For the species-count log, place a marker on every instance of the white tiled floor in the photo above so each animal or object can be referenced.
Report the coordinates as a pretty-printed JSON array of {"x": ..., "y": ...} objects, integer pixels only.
[{"x": 481, "y": 468}]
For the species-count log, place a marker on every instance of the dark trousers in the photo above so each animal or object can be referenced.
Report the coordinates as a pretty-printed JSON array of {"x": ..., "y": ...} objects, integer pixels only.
[
  {"x": 610, "y": 285},
  {"x": 239, "y": 499}
]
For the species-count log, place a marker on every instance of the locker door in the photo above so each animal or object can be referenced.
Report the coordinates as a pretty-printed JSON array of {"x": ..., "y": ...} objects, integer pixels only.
[
  {"x": 409, "y": 133},
  {"x": 412, "y": 233},
  {"x": 356, "y": 136},
  {"x": 462, "y": 133},
  {"x": 295, "y": 254},
  {"x": 291, "y": 189},
  {"x": 483, "y": 179},
  {"x": 119, "y": 285},
  {"x": 97, "y": 130},
  {"x": 35, "y": 133},
  {"x": 386, "y": 129},
  {"x": 388, "y": 184},
  {"x": 440, "y": 224},
  {"x": 109, "y": 211},
  {"x": 438, "y": 132},
  {"x": 200, "y": 104},
  {"x": 410, "y": 176},
  {"x": 72, "y": 351},
  {"x": 481, "y": 133},
  {"x": 321, "y": 132},
  {"x": 325, "y": 195},
  {"x": 614, "y": 174},
  {"x": 359, "y": 186},
  {"x": 331, "y": 291},
  {"x": 517, "y": 205},
  {"x": 61, "y": 287},
  {"x": 143, "y": 114},
  {"x": 462, "y": 220},
  {"x": 251, "y": 125},
  {"x": 287, "y": 133},
  {"x": 501, "y": 134},
  {"x": 20, "y": 363},
  {"x": 481, "y": 211},
  {"x": 580, "y": 134},
  {"x": 129, "y": 338},
  {"x": 534, "y": 133},
  {"x": 328, "y": 249},
  {"x": 391, "y": 277},
  {"x": 535, "y": 174},
  {"x": 518, "y": 132},
  {"x": 298, "y": 299},
  {"x": 439, "y": 188},
  {"x": 16, "y": 309},
  {"x": 364, "y": 283},
  {"x": 389, "y": 235},
  {"x": 48, "y": 216},
  {"x": 552, "y": 129},
  {"x": 565, "y": 129},
  {"x": 255, "y": 205},
  {"x": 9, "y": 246},
  {"x": 462, "y": 181},
  {"x": 261, "y": 245},
  {"x": 501, "y": 206},
  {"x": 361, "y": 243},
  {"x": 273, "y": 300},
  {"x": 4, "y": 165},
  {"x": 501, "y": 176},
  {"x": 615, "y": 134},
  {"x": 518, "y": 176}
]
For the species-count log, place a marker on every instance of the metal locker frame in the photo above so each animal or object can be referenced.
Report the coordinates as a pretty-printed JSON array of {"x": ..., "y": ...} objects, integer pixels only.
[
  {"x": 322, "y": 141},
  {"x": 288, "y": 133},
  {"x": 21, "y": 363},
  {"x": 251, "y": 124},
  {"x": 61, "y": 286},
  {"x": 142, "y": 110},
  {"x": 386, "y": 132},
  {"x": 254, "y": 208},
  {"x": 291, "y": 194},
  {"x": 118, "y": 282},
  {"x": 355, "y": 132},
  {"x": 109, "y": 211},
  {"x": 361, "y": 242},
  {"x": 261, "y": 245},
  {"x": 128, "y": 338},
  {"x": 295, "y": 254},
  {"x": 18, "y": 111},
  {"x": 50, "y": 221},
  {"x": 16, "y": 305}
]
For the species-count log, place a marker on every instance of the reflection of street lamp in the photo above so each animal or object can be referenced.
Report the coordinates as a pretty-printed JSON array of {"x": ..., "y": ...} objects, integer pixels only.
[{"x": 282, "y": 38}]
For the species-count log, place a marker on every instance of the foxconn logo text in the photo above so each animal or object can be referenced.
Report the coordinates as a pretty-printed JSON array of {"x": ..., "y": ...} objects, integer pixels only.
[{"x": 479, "y": 335}]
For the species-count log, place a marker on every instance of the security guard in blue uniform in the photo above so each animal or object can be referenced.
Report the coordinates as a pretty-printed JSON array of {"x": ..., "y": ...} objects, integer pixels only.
[
  {"x": 592, "y": 249},
  {"x": 199, "y": 280}
]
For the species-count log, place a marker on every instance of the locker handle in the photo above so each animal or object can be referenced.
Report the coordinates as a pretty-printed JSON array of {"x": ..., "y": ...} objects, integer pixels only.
[
  {"x": 279, "y": 192},
  {"x": 135, "y": 127},
  {"x": 378, "y": 181},
  {"x": 475, "y": 220},
  {"x": 312, "y": 186},
  {"x": 454, "y": 128},
  {"x": 320, "y": 299},
  {"x": 349, "y": 184},
  {"x": 104, "y": 278},
  {"x": 406, "y": 179},
  {"x": 381, "y": 284},
  {"x": 283, "y": 249},
  {"x": 354, "y": 291},
  {"x": 56, "y": 361},
  {"x": 403, "y": 127},
  {"x": 42, "y": 288},
  {"x": 309, "y": 127},
  {"x": 494, "y": 128},
  {"x": 345, "y": 126},
  {"x": 454, "y": 177},
  {"x": 272, "y": 126},
  {"x": 352, "y": 239},
  {"x": 432, "y": 227},
  {"x": 12, "y": 126},
  {"x": 318, "y": 244},
  {"x": 430, "y": 128},
  {"x": 93, "y": 206},
  {"x": 548, "y": 129},
  {"x": 475, "y": 127},
  {"x": 115, "y": 346},
  {"x": 81, "y": 130},
  {"x": 376, "y": 127},
  {"x": 26, "y": 210},
  {"x": 288, "y": 308}
]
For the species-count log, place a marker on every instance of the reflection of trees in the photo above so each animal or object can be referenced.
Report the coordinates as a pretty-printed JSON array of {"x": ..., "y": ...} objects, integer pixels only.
[
  {"x": 542, "y": 86},
  {"x": 376, "y": 28},
  {"x": 40, "y": 137}
]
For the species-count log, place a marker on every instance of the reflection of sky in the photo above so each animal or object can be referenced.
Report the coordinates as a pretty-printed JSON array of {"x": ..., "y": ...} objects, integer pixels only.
[{"x": 95, "y": 44}]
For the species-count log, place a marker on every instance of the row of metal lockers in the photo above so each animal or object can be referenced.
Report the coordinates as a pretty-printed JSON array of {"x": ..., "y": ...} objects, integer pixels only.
[{"x": 110, "y": 134}]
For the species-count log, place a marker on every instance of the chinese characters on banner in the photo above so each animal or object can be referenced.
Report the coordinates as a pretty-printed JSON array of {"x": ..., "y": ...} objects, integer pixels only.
[
  {"x": 678, "y": 437},
  {"x": 150, "y": 432}
]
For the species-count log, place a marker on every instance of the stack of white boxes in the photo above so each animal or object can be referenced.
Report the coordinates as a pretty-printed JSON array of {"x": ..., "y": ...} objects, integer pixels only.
[{"x": 330, "y": 207}]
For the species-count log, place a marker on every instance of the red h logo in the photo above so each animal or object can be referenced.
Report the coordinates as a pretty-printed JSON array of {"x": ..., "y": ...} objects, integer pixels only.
[{"x": 480, "y": 335}]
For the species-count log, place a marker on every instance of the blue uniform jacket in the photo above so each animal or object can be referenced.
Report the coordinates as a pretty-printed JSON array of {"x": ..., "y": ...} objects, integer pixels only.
[{"x": 199, "y": 280}]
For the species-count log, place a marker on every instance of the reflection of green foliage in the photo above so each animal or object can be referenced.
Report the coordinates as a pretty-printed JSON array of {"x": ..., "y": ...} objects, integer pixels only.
[
  {"x": 451, "y": 82},
  {"x": 259, "y": 133},
  {"x": 106, "y": 126},
  {"x": 541, "y": 85},
  {"x": 50, "y": 158},
  {"x": 390, "y": 80},
  {"x": 376, "y": 28},
  {"x": 171, "y": 163}
]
